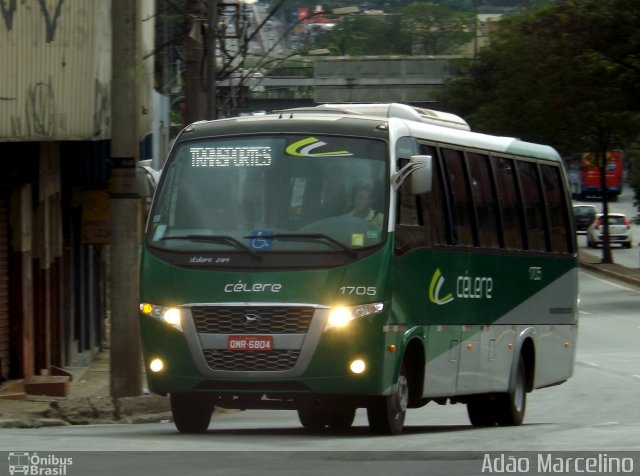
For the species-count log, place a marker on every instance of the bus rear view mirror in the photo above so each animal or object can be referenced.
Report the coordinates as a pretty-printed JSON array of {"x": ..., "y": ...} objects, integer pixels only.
[{"x": 418, "y": 172}]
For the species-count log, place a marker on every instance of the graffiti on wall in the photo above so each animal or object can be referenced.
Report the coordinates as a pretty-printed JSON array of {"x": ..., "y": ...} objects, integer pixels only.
[
  {"x": 8, "y": 10},
  {"x": 40, "y": 112},
  {"x": 51, "y": 17},
  {"x": 42, "y": 105}
]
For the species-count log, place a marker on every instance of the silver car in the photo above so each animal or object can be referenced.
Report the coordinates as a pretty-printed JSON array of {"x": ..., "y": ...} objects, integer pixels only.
[{"x": 619, "y": 230}]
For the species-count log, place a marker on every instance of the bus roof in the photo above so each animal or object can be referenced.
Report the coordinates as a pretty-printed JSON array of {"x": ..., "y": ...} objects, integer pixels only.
[
  {"x": 425, "y": 124},
  {"x": 398, "y": 110}
]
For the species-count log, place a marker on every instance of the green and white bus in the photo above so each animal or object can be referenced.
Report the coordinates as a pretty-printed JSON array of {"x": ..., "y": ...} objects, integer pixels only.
[{"x": 262, "y": 286}]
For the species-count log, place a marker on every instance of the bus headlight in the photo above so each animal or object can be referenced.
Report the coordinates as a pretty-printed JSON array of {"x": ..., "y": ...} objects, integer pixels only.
[
  {"x": 340, "y": 317},
  {"x": 169, "y": 315}
]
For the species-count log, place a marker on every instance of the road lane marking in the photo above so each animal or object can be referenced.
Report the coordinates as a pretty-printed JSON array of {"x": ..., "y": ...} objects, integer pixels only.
[
  {"x": 611, "y": 282},
  {"x": 587, "y": 363}
]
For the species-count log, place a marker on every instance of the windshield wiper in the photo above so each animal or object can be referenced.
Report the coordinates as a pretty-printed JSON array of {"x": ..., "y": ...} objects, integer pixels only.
[
  {"x": 305, "y": 236},
  {"x": 214, "y": 239}
]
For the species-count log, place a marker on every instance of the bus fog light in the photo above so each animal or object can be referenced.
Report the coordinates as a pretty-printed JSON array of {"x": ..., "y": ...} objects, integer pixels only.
[
  {"x": 358, "y": 366},
  {"x": 156, "y": 365}
]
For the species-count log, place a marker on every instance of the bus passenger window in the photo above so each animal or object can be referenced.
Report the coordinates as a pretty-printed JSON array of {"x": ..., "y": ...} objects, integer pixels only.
[
  {"x": 533, "y": 206},
  {"x": 485, "y": 199},
  {"x": 557, "y": 208},
  {"x": 434, "y": 205},
  {"x": 460, "y": 203},
  {"x": 509, "y": 203}
]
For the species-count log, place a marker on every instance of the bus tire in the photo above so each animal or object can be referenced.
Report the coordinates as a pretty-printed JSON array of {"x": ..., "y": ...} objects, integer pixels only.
[
  {"x": 191, "y": 413},
  {"x": 312, "y": 418},
  {"x": 511, "y": 406},
  {"x": 341, "y": 418},
  {"x": 337, "y": 418},
  {"x": 482, "y": 411},
  {"x": 386, "y": 414}
]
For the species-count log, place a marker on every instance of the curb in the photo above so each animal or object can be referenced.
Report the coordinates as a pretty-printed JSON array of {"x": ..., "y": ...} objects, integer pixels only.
[{"x": 627, "y": 275}]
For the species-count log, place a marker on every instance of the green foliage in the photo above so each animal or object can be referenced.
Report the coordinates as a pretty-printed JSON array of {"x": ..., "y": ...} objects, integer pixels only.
[
  {"x": 419, "y": 28},
  {"x": 437, "y": 30},
  {"x": 367, "y": 35},
  {"x": 567, "y": 74}
]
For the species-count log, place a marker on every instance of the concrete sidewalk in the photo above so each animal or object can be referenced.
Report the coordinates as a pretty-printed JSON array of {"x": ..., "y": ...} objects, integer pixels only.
[
  {"x": 89, "y": 402},
  {"x": 89, "y": 399}
]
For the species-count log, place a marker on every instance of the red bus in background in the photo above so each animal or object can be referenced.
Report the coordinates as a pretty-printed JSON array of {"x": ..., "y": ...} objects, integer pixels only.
[{"x": 584, "y": 175}]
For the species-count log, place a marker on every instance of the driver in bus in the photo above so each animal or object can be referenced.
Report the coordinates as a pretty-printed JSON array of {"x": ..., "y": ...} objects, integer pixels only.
[{"x": 362, "y": 206}]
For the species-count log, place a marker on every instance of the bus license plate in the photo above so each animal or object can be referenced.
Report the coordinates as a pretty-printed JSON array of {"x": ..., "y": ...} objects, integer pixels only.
[{"x": 250, "y": 343}]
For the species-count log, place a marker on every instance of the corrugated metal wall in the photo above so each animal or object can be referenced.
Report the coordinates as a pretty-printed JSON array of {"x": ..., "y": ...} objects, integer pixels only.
[{"x": 55, "y": 70}]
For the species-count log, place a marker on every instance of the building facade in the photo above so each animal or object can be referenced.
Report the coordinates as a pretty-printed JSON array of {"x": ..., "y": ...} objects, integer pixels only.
[{"x": 55, "y": 101}]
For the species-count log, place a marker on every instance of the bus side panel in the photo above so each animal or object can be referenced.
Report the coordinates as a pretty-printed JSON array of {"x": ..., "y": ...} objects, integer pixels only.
[{"x": 475, "y": 305}]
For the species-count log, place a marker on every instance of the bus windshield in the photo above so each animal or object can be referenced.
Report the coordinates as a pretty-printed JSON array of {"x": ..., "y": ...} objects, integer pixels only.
[{"x": 272, "y": 193}]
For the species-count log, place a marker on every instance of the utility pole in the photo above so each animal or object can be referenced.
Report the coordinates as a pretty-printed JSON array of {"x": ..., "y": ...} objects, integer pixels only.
[
  {"x": 194, "y": 86},
  {"x": 212, "y": 59},
  {"x": 126, "y": 223}
]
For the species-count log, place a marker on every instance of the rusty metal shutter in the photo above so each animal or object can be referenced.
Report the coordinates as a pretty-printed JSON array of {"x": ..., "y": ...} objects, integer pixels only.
[{"x": 4, "y": 288}]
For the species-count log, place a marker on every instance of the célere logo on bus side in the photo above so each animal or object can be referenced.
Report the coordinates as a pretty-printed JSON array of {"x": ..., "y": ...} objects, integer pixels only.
[{"x": 467, "y": 287}]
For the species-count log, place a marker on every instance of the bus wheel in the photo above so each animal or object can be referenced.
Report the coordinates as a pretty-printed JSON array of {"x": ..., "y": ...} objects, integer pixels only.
[
  {"x": 312, "y": 418},
  {"x": 337, "y": 418},
  {"x": 386, "y": 415},
  {"x": 482, "y": 411},
  {"x": 191, "y": 413},
  {"x": 341, "y": 418},
  {"x": 511, "y": 406}
]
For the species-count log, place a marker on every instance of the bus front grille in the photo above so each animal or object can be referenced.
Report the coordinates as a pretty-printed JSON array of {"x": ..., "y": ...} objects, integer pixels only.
[
  {"x": 221, "y": 359},
  {"x": 251, "y": 319}
]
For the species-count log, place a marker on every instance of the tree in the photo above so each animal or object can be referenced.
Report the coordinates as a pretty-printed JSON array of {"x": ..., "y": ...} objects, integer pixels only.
[
  {"x": 361, "y": 35},
  {"x": 567, "y": 74},
  {"x": 422, "y": 28},
  {"x": 437, "y": 30}
]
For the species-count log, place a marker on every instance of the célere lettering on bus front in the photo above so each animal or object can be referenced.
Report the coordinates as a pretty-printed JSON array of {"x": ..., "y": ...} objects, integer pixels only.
[{"x": 241, "y": 287}]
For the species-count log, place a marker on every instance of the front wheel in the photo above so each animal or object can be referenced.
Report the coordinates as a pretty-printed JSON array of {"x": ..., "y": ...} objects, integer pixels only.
[
  {"x": 335, "y": 417},
  {"x": 386, "y": 415},
  {"x": 191, "y": 412}
]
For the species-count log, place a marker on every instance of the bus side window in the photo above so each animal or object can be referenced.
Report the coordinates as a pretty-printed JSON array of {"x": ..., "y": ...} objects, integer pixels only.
[
  {"x": 509, "y": 203},
  {"x": 557, "y": 208},
  {"x": 533, "y": 206},
  {"x": 485, "y": 199},
  {"x": 409, "y": 230},
  {"x": 459, "y": 196},
  {"x": 433, "y": 204},
  {"x": 422, "y": 219}
]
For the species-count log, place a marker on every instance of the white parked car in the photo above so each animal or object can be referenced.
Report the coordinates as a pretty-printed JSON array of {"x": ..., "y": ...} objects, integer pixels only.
[{"x": 619, "y": 230}]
